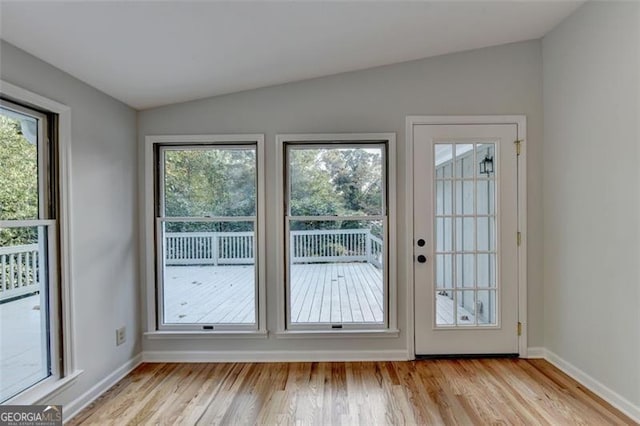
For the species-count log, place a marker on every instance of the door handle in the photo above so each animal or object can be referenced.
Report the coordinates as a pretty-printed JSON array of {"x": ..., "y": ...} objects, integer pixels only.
[
  {"x": 421, "y": 242},
  {"x": 422, "y": 258}
]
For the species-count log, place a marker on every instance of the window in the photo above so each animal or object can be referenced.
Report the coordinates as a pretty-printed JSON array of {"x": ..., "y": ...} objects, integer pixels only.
[
  {"x": 30, "y": 350},
  {"x": 207, "y": 235},
  {"x": 337, "y": 232}
]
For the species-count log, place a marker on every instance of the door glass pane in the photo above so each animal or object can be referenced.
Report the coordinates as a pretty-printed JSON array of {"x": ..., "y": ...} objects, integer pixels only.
[
  {"x": 460, "y": 276},
  {"x": 465, "y": 234},
  {"x": 444, "y": 308},
  {"x": 24, "y": 316},
  {"x": 464, "y": 161},
  {"x": 485, "y": 194},
  {"x": 444, "y": 234},
  {"x": 336, "y": 271},
  {"x": 19, "y": 194},
  {"x": 444, "y": 271},
  {"x": 443, "y": 156},
  {"x": 486, "y": 270},
  {"x": 486, "y": 233},
  {"x": 204, "y": 182},
  {"x": 464, "y": 197},
  {"x": 465, "y": 307},
  {"x": 486, "y": 307}
]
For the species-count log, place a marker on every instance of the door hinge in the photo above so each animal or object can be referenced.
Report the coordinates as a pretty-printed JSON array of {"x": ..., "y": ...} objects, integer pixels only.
[
  {"x": 518, "y": 143},
  {"x": 519, "y": 328},
  {"x": 518, "y": 238}
]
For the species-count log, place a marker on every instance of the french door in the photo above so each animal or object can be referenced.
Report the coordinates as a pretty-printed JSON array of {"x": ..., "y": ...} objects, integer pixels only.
[{"x": 466, "y": 238}]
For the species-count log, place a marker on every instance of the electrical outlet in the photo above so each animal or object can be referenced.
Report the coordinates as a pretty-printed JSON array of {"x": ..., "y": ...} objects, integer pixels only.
[{"x": 121, "y": 335}]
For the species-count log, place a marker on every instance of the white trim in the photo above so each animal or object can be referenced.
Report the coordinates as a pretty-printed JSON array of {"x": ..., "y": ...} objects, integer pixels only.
[
  {"x": 274, "y": 356},
  {"x": 74, "y": 407},
  {"x": 205, "y": 335},
  {"x": 148, "y": 261},
  {"x": 49, "y": 389},
  {"x": 391, "y": 204},
  {"x": 595, "y": 386},
  {"x": 536, "y": 352},
  {"x": 341, "y": 334},
  {"x": 521, "y": 123},
  {"x": 65, "y": 212}
]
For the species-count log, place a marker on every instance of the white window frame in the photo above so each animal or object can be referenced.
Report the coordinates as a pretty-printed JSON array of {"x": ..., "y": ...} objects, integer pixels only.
[
  {"x": 62, "y": 331},
  {"x": 154, "y": 327},
  {"x": 284, "y": 329}
]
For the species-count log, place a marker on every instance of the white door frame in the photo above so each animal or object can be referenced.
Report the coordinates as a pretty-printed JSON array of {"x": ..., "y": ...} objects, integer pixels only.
[{"x": 521, "y": 123}]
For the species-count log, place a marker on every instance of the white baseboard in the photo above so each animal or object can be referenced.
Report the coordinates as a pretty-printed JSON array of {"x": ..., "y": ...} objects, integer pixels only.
[
  {"x": 78, "y": 404},
  {"x": 613, "y": 398},
  {"x": 273, "y": 356},
  {"x": 536, "y": 352}
]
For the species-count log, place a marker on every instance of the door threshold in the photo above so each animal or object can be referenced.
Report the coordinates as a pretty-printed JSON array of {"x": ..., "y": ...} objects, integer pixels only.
[{"x": 465, "y": 356}]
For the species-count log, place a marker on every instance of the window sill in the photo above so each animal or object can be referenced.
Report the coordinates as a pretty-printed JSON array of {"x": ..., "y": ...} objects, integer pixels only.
[
  {"x": 39, "y": 392},
  {"x": 221, "y": 334},
  {"x": 331, "y": 334}
]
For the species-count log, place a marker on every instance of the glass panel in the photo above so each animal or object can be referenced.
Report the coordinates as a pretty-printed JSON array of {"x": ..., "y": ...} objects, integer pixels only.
[
  {"x": 336, "y": 272},
  {"x": 24, "y": 325},
  {"x": 443, "y": 197},
  {"x": 203, "y": 182},
  {"x": 486, "y": 161},
  {"x": 444, "y": 308},
  {"x": 486, "y": 270},
  {"x": 209, "y": 272},
  {"x": 444, "y": 271},
  {"x": 464, "y": 161},
  {"x": 485, "y": 190},
  {"x": 466, "y": 307},
  {"x": 443, "y": 234},
  {"x": 464, "y": 197},
  {"x": 464, "y": 234},
  {"x": 19, "y": 195},
  {"x": 486, "y": 234},
  {"x": 465, "y": 270},
  {"x": 443, "y": 154},
  {"x": 486, "y": 307},
  {"x": 336, "y": 181}
]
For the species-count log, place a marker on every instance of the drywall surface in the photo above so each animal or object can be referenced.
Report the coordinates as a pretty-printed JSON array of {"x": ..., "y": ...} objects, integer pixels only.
[
  {"x": 592, "y": 194},
  {"x": 105, "y": 293},
  {"x": 499, "y": 80}
]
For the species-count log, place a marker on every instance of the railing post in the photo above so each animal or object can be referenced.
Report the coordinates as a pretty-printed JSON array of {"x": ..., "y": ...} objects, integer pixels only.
[
  {"x": 215, "y": 248},
  {"x": 368, "y": 246}
]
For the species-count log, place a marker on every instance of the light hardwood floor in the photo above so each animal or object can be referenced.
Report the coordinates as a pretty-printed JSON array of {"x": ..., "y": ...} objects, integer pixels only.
[{"x": 433, "y": 392}]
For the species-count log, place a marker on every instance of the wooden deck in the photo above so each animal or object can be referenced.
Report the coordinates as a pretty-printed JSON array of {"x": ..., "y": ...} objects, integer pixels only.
[
  {"x": 320, "y": 292},
  {"x": 21, "y": 345},
  {"x": 336, "y": 293}
]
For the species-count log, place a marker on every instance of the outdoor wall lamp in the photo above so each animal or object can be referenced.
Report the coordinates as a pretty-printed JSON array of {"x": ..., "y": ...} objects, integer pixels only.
[{"x": 486, "y": 165}]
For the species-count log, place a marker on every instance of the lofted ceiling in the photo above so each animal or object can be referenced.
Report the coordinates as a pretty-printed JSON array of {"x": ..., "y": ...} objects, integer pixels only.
[{"x": 152, "y": 53}]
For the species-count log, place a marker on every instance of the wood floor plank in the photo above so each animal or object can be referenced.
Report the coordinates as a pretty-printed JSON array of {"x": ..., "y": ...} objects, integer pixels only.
[{"x": 433, "y": 392}]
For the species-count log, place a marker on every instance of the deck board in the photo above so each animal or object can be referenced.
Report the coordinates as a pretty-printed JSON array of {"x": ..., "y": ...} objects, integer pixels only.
[{"x": 320, "y": 292}]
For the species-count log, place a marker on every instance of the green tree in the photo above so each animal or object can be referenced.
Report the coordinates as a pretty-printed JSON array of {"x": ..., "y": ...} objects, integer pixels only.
[
  {"x": 18, "y": 182},
  {"x": 210, "y": 182}
]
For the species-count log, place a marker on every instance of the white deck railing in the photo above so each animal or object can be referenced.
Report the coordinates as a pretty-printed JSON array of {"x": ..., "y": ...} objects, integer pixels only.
[
  {"x": 228, "y": 248},
  {"x": 18, "y": 270}
]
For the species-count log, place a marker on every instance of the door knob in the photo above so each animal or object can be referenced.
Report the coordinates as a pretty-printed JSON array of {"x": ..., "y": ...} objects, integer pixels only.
[
  {"x": 422, "y": 258},
  {"x": 421, "y": 242}
]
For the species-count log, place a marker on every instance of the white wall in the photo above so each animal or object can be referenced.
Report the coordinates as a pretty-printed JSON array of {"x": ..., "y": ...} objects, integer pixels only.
[
  {"x": 592, "y": 194},
  {"x": 104, "y": 217},
  {"x": 499, "y": 80}
]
